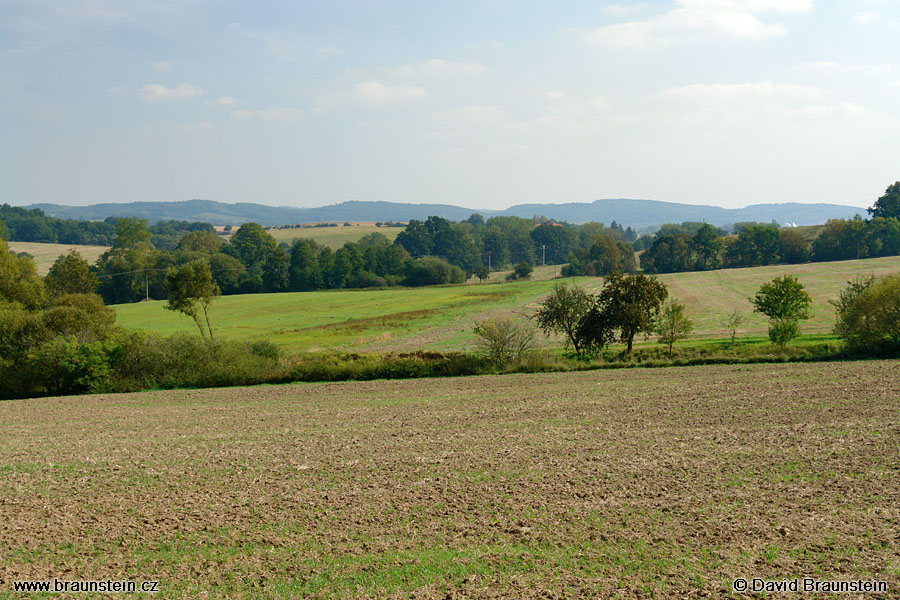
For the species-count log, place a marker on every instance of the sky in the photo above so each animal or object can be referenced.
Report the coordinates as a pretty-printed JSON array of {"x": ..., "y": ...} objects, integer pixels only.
[{"x": 483, "y": 103}]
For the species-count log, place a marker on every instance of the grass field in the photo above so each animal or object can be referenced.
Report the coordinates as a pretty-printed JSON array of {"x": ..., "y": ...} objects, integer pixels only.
[
  {"x": 442, "y": 318},
  {"x": 46, "y": 254},
  {"x": 334, "y": 237},
  {"x": 662, "y": 483}
]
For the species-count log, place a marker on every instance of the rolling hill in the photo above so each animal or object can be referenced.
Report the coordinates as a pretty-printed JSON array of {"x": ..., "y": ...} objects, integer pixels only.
[{"x": 628, "y": 212}]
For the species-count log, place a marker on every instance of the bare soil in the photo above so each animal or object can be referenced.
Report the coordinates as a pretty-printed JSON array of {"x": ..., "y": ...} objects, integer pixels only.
[{"x": 662, "y": 483}]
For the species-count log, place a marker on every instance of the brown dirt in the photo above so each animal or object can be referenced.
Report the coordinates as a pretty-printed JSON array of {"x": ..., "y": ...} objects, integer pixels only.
[{"x": 664, "y": 483}]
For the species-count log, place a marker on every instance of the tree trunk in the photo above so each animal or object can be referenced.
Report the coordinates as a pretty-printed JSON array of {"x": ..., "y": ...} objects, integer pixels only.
[
  {"x": 199, "y": 325},
  {"x": 208, "y": 326}
]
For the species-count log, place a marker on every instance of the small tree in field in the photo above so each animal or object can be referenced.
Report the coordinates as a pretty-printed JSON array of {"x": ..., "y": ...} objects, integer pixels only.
[
  {"x": 626, "y": 306},
  {"x": 672, "y": 324},
  {"x": 503, "y": 340},
  {"x": 481, "y": 272},
  {"x": 521, "y": 271},
  {"x": 562, "y": 311},
  {"x": 784, "y": 301},
  {"x": 191, "y": 290},
  {"x": 732, "y": 322}
]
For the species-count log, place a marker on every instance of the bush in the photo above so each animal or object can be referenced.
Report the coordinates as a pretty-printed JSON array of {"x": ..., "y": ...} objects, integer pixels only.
[
  {"x": 504, "y": 341},
  {"x": 344, "y": 367},
  {"x": 433, "y": 271},
  {"x": 868, "y": 315},
  {"x": 66, "y": 366},
  {"x": 521, "y": 271},
  {"x": 365, "y": 279}
]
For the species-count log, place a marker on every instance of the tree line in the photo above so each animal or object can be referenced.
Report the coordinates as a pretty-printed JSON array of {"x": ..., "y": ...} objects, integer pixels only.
[{"x": 698, "y": 247}]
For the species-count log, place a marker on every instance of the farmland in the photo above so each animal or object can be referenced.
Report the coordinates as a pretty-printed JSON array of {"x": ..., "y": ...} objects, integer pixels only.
[
  {"x": 622, "y": 484},
  {"x": 46, "y": 254},
  {"x": 441, "y": 318},
  {"x": 333, "y": 237}
]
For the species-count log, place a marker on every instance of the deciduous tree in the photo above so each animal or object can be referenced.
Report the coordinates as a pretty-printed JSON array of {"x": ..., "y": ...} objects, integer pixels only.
[
  {"x": 672, "y": 324},
  {"x": 191, "y": 290},
  {"x": 784, "y": 301},
  {"x": 562, "y": 311},
  {"x": 626, "y": 306}
]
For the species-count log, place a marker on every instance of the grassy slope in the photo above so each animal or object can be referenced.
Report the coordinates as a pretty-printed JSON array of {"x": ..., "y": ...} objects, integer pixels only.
[
  {"x": 46, "y": 254},
  {"x": 334, "y": 237},
  {"x": 442, "y": 317}
]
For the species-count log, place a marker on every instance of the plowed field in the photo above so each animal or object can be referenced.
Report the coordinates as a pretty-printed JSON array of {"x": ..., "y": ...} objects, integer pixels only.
[{"x": 664, "y": 483}]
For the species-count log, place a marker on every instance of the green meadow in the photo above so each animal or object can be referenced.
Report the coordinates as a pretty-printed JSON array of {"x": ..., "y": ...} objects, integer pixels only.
[{"x": 441, "y": 318}]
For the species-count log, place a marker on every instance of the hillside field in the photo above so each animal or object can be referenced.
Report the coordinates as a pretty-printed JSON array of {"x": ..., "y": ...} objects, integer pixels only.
[
  {"x": 333, "y": 237},
  {"x": 441, "y": 318},
  {"x": 651, "y": 483},
  {"x": 46, "y": 254}
]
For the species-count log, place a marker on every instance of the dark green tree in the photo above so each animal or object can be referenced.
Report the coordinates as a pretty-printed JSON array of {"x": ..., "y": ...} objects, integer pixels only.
[
  {"x": 784, "y": 301},
  {"x": 792, "y": 247},
  {"x": 304, "y": 270},
  {"x": 416, "y": 239},
  {"x": 252, "y": 245},
  {"x": 888, "y": 205},
  {"x": 71, "y": 274},
  {"x": 626, "y": 306},
  {"x": 708, "y": 245},
  {"x": 562, "y": 311}
]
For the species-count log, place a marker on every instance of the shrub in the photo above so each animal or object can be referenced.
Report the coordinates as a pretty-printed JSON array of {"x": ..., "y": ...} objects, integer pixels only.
[
  {"x": 504, "y": 341},
  {"x": 868, "y": 315},
  {"x": 521, "y": 271},
  {"x": 433, "y": 271},
  {"x": 66, "y": 366}
]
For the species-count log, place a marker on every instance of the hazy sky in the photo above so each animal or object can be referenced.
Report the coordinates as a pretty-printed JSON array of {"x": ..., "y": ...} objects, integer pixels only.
[{"x": 483, "y": 103}]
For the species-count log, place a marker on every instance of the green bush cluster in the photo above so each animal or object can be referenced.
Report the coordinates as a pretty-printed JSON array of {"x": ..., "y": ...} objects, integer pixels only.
[
  {"x": 362, "y": 367},
  {"x": 135, "y": 360}
]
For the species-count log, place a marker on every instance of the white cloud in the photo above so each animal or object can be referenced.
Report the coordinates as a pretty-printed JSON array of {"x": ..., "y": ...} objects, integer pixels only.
[
  {"x": 226, "y": 101},
  {"x": 161, "y": 66},
  {"x": 327, "y": 50},
  {"x": 378, "y": 93},
  {"x": 118, "y": 90},
  {"x": 700, "y": 19},
  {"x": 438, "y": 66},
  {"x": 555, "y": 95},
  {"x": 289, "y": 115},
  {"x": 155, "y": 92},
  {"x": 865, "y": 18}
]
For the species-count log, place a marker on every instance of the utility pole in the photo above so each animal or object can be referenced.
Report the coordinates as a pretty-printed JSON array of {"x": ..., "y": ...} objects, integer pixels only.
[
  {"x": 543, "y": 255},
  {"x": 489, "y": 261},
  {"x": 147, "y": 285}
]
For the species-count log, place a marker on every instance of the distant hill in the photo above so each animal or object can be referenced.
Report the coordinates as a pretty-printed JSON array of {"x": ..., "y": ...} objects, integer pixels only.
[{"x": 634, "y": 213}]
